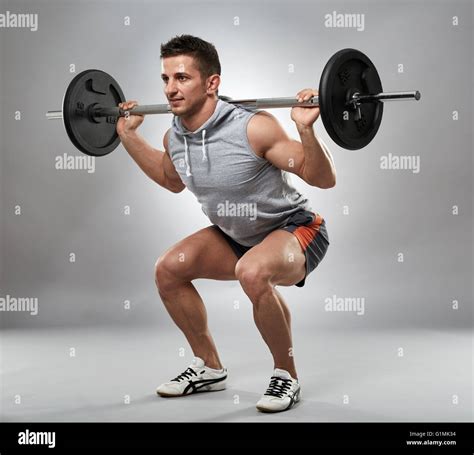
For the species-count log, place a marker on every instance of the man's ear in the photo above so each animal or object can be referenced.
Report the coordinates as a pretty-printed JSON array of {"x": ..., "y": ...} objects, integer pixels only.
[{"x": 213, "y": 83}]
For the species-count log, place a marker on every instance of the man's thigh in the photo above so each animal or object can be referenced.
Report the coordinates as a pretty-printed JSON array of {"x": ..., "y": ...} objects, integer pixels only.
[
  {"x": 204, "y": 254},
  {"x": 280, "y": 255}
]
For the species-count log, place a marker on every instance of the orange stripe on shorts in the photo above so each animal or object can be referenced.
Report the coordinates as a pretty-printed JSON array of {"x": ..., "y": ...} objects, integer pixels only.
[{"x": 306, "y": 234}]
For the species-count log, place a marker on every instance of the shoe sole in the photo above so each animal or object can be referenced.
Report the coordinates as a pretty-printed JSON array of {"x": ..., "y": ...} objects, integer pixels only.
[
  {"x": 272, "y": 411},
  {"x": 170, "y": 395}
]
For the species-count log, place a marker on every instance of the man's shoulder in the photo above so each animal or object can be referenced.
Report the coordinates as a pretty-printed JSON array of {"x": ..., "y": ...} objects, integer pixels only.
[{"x": 263, "y": 130}]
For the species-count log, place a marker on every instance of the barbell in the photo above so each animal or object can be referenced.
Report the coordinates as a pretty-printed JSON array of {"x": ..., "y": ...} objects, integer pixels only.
[{"x": 350, "y": 99}]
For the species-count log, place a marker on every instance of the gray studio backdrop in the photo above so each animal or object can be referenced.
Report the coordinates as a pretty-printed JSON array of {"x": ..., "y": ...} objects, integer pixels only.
[{"x": 84, "y": 242}]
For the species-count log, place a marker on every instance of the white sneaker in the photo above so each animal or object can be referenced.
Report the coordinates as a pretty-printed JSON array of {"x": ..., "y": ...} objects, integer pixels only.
[
  {"x": 197, "y": 378},
  {"x": 282, "y": 393}
]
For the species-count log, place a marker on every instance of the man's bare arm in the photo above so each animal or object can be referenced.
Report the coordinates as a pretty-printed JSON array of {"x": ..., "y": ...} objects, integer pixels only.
[
  {"x": 269, "y": 140},
  {"x": 175, "y": 184},
  {"x": 155, "y": 163}
]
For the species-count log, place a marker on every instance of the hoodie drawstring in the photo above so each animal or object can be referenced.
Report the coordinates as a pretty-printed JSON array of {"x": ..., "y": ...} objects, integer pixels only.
[
  {"x": 186, "y": 153},
  {"x": 204, "y": 154},
  {"x": 186, "y": 157}
]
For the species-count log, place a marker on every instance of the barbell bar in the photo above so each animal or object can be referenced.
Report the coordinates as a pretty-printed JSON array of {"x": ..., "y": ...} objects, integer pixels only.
[
  {"x": 350, "y": 100},
  {"x": 252, "y": 103}
]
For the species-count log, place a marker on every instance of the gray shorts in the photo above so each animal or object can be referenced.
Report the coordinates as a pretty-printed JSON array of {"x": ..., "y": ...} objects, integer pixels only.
[{"x": 310, "y": 230}]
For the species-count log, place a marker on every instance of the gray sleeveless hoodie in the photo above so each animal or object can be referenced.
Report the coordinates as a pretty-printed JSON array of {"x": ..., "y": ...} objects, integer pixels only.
[{"x": 242, "y": 193}]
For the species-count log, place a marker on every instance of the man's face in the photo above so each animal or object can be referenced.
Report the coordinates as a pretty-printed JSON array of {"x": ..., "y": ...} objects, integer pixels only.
[{"x": 183, "y": 85}]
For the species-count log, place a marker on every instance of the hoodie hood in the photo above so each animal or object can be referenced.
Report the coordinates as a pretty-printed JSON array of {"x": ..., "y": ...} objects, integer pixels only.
[{"x": 221, "y": 114}]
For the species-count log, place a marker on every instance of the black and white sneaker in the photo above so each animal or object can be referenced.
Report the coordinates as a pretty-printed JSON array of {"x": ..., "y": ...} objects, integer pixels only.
[
  {"x": 197, "y": 378},
  {"x": 282, "y": 393}
]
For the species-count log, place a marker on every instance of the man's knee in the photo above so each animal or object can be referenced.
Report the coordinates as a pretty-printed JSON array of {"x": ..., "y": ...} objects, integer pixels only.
[
  {"x": 172, "y": 268},
  {"x": 162, "y": 274},
  {"x": 254, "y": 277}
]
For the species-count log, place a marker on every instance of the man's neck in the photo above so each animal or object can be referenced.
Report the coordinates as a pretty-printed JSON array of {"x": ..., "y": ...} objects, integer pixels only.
[{"x": 195, "y": 121}]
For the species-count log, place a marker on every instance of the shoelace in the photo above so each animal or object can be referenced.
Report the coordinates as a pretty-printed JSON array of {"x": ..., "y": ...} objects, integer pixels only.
[
  {"x": 278, "y": 387},
  {"x": 185, "y": 375}
]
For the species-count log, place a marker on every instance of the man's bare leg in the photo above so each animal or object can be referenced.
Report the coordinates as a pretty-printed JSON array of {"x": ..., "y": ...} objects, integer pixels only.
[
  {"x": 286, "y": 313},
  {"x": 259, "y": 271},
  {"x": 186, "y": 308},
  {"x": 204, "y": 254}
]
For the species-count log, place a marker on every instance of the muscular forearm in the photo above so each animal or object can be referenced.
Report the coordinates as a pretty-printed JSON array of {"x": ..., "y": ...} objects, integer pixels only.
[
  {"x": 149, "y": 159},
  {"x": 318, "y": 168}
]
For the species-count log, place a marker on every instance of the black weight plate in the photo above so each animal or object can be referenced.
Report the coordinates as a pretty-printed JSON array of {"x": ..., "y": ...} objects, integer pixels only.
[
  {"x": 346, "y": 72},
  {"x": 95, "y": 137}
]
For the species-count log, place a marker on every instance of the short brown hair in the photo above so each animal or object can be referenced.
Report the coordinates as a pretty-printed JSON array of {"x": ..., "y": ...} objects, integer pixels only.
[{"x": 203, "y": 52}]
